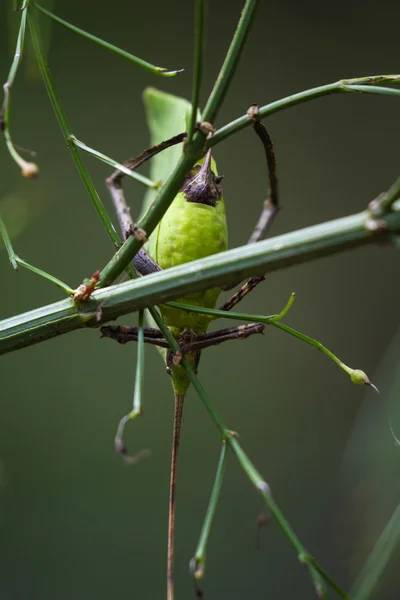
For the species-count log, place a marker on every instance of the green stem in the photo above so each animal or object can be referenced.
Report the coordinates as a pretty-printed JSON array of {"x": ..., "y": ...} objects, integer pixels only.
[
  {"x": 378, "y": 560},
  {"x": 227, "y": 267},
  {"x": 231, "y": 61},
  {"x": 45, "y": 275},
  {"x": 368, "y": 89},
  {"x": 150, "y": 220},
  {"x": 8, "y": 245},
  {"x": 28, "y": 169},
  {"x": 65, "y": 128},
  {"x": 246, "y": 464},
  {"x": 342, "y": 86},
  {"x": 116, "y": 165},
  {"x": 193, "y": 152},
  {"x": 198, "y": 562},
  {"x": 329, "y": 580},
  {"x": 198, "y": 66},
  {"x": 385, "y": 202},
  {"x": 92, "y": 38}
]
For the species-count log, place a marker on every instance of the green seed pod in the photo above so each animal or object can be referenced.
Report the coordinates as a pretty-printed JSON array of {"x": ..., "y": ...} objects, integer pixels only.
[{"x": 359, "y": 377}]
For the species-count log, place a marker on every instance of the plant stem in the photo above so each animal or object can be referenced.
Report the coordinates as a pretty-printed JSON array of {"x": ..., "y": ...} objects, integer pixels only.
[
  {"x": 8, "y": 244},
  {"x": 231, "y": 61},
  {"x": 329, "y": 580},
  {"x": 198, "y": 65},
  {"x": 341, "y": 86},
  {"x": 198, "y": 562},
  {"x": 248, "y": 467},
  {"x": 65, "y": 128},
  {"x": 227, "y": 267},
  {"x": 156, "y": 211},
  {"x": 378, "y": 560},
  {"x": 116, "y": 165},
  {"x": 92, "y": 38},
  {"x": 193, "y": 152},
  {"x": 5, "y": 110}
]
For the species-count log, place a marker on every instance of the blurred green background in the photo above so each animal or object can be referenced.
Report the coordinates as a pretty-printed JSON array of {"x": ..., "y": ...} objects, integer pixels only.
[{"x": 75, "y": 522}]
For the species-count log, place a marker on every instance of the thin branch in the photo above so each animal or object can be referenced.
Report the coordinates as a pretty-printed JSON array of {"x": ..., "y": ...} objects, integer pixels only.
[
  {"x": 92, "y": 38},
  {"x": 378, "y": 560},
  {"x": 66, "y": 130},
  {"x": 116, "y": 165},
  {"x": 270, "y": 255},
  {"x": 248, "y": 467},
  {"x": 192, "y": 152},
  {"x": 198, "y": 562},
  {"x": 198, "y": 65},
  {"x": 231, "y": 61},
  {"x": 267, "y": 256},
  {"x": 341, "y": 86},
  {"x": 29, "y": 170}
]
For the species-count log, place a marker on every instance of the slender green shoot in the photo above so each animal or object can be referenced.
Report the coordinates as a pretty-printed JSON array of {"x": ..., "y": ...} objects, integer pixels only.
[
  {"x": 341, "y": 86},
  {"x": 385, "y": 202},
  {"x": 92, "y": 38},
  {"x": 356, "y": 375},
  {"x": 65, "y": 128},
  {"x": 8, "y": 245},
  {"x": 116, "y": 165},
  {"x": 248, "y": 467},
  {"x": 68, "y": 290},
  {"x": 378, "y": 560},
  {"x": 197, "y": 65},
  {"x": 29, "y": 170},
  {"x": 172, "y": 186},
  {"x": 341, "y": 593},
  {"x": 198, "y": 562},
  {"x": 231, "y": 61},
  {"x": 137, "y": 399},
  {"x": 368, "y": 89},
  {"x": 154, "y": 214},
  {"x": 223, "y": 314}
]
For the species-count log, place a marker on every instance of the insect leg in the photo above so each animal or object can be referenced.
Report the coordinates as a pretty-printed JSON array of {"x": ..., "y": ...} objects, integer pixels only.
[
  {"x": 123, "y": 334},
  {"x": 270, "y": 208},
  {"x": 240, "y": 332},
  {"x": 142, "y": 261}
]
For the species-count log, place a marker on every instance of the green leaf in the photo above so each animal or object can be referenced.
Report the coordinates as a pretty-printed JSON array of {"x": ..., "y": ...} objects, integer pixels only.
[{"x": 166, "y": 115}]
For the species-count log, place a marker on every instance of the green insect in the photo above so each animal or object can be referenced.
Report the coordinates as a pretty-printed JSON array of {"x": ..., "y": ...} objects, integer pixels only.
[{"x": 193, "y": 227}]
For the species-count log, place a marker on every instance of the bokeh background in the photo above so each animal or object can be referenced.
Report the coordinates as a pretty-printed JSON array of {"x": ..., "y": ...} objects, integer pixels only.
[{"x": 76, "y": 522}]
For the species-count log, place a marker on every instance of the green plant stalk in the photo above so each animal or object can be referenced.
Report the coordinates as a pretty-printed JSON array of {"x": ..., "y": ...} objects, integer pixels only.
[
  {"x": 137, "y": 395},
  {"x": 45, "y": 275},
  {"x": 92, "y": 38},
  {"x": 168, "y": 191},
  {"x": 231, "y": 61},
  {"x": 378, "y": 560},
  {"x": 8, "y": 245},
  {"x": 65, "y": 128},
  {"x": 198, "y": 562},
  {"x": 329, "y": 580},
  {"x": 198, "y": 65},
  {"x": 367, "y": 89},
  {"x": 116, "y": 165},
  {"x": 193, "y": 152},
  {"x": 7, "y": 92},
  {"x": 268, "y": 320},
  {"x": 247, "y": 466},
  {"x": 385, "y": 203},
  {"x": 227, "y": 267},
  {"x": 341, "y": 86}
]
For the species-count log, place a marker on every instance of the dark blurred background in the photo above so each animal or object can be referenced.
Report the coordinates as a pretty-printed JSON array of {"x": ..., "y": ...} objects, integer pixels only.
[{"x": 74, "y": 520}]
